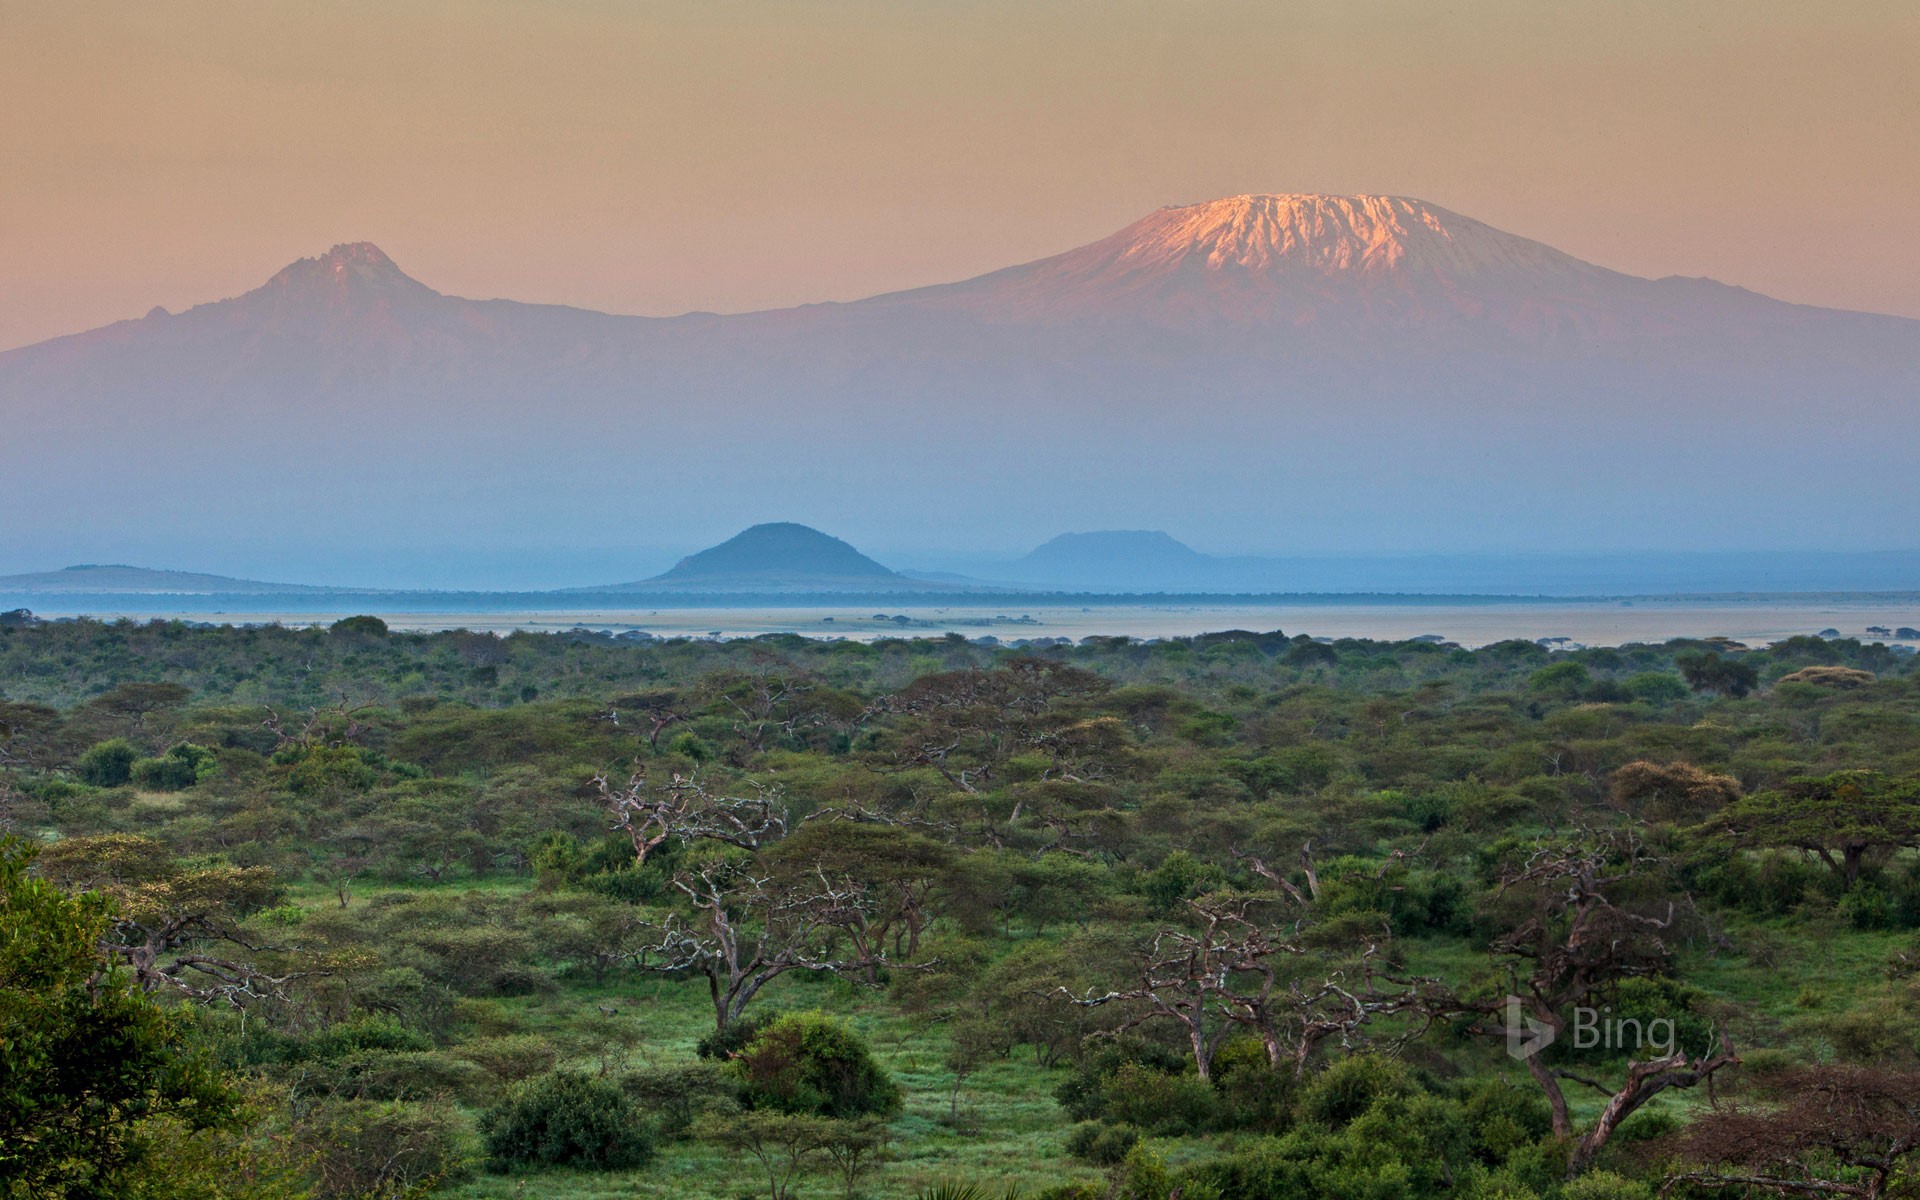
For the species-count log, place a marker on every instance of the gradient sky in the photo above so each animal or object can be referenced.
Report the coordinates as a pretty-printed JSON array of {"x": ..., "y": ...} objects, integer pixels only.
[{"x": 654, "y": 157}]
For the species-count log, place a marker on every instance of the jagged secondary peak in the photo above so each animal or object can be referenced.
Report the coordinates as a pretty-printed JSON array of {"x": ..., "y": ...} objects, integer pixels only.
[{"x": 348, "y": 268}]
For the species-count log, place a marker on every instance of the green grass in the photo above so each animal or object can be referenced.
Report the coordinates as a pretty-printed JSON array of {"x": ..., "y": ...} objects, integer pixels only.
[
  {"x": 1010, "y": 1132},
  {"x": 1009, "y": 1129}
]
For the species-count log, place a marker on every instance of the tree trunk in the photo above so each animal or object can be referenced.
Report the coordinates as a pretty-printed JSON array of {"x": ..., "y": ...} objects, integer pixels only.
[
  {"x": 1202, "y": 1060},
  {"x": 1556, "y": 1099},
  {"x": 1276, "y": 1053}
]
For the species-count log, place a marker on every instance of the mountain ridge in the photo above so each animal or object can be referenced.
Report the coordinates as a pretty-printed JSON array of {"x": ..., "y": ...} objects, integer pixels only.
[
  {"x": 1253, "y": 356},
  {"x": 1381, "y": 239}
]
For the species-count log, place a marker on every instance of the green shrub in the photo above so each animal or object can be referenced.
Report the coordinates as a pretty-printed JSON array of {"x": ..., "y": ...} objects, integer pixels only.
[
  {"x": 1269, "y": 1167},
  {"x": 692, "y": 745},
  {"x": 511, "y": 1057},
  {"x": 1770, "y": 884},
  {"x": 1561, "y": 681},
  {"x": 360, "y": 1148},
  {"x": 398, "y": 1075},
  {"x": 176, "y": 770},
  {"x": 383, "y": 1033},
  {"x": 1254, "y": 1094},
  {"x": 1178, "y": 878},
  {"x": 1866, "y": 907},
  {"x": 1082, "y": 1093},
  {"x": 1100, "y": 1143},
  {"x": 327, "y": 770},
  {"x": 1605, "y": 1185},
  {"x": 1880, "y": 1030},
  {"x": 1166, "y": 1104},
  {"x": 108, "y": 764},
  {"x": 565, "y": 1120},
  {"x": 1421, "y": 1139},
  {"x": 1649, "y": 1001},
  {"x": 1495, "y": 1185},
  {"x": 1501, "y": 1118},
  {"x": 811, "y": 1063},
  {"x": 1349, "y": 1086},
  {"x": 1655, "y": 687}
]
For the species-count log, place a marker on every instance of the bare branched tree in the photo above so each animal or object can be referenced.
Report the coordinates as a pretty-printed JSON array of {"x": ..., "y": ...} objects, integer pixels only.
[
  {"x": 653, "y": 710},
  {"x": 336, "y": 725},
  {"x": 1236, "y": 968},
  {"x": 748, "y": 930},
  {"x": 683, "y": 809},
  {"x": 1292, "y": 891}
]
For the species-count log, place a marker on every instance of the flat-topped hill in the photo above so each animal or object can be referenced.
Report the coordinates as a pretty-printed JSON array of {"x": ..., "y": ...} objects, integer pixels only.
[{"x": 108, "y": 579}]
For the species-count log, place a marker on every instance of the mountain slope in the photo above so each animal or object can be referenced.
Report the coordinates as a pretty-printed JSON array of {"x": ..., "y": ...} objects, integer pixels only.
[
  {"x": 1349, "y": 371},
  {"x": 1347, "y": 265}
]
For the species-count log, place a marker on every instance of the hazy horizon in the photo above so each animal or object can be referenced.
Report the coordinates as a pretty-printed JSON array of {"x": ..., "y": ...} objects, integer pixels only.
[{"x": 545, "y": 568}]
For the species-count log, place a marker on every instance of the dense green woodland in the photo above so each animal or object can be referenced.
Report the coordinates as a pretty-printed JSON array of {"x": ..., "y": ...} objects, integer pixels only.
[{"x": 350, "y": 913}]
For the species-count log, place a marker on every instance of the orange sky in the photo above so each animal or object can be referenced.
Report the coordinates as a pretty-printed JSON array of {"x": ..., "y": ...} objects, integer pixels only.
[{"x": 653, "y": 157}]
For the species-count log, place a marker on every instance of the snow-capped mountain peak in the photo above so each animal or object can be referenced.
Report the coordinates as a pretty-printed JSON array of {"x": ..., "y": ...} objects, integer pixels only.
[
  {"x": 1296, "y": 259},
  {"x": 1327, "y": 235}
]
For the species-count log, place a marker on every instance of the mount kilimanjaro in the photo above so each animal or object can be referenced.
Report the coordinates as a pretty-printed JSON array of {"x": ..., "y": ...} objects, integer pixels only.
[{"x": 1361, "y": 367}]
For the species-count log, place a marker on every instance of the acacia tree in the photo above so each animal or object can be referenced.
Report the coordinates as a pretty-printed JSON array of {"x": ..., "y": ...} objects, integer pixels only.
[
  {"x": 1825, "y": 1130},
  {"x": 784, "y": 1144},
  {"x": 1179, "y": 977},
  {"x": 775, "y": 700},
  {"x": 1234, "y": 966},
  {"x": 656, "y": 710},
  {"x": 748, "y": 929},
  {"x": 181, "y": 929},
  {"x": 896, "y": 869},
  {"x": 1676, "y": 791},
  {"x": 1840, "y": 819},
  {"x": 26, "y": 733},
  {"x": 683, "y": 809},
  {"x": 966, "y": 724},
  {"x": 1706, "y": 671},
  {"x": 129, "y": 705},
  {"x": 1582, "y": 914}
]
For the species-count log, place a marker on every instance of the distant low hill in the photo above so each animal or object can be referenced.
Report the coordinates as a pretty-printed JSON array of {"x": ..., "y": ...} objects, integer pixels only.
[
  {"x": 779, "y": 556},
  {"x": 1114, "y": 558},
  {"x": 116, "y": 579}
]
